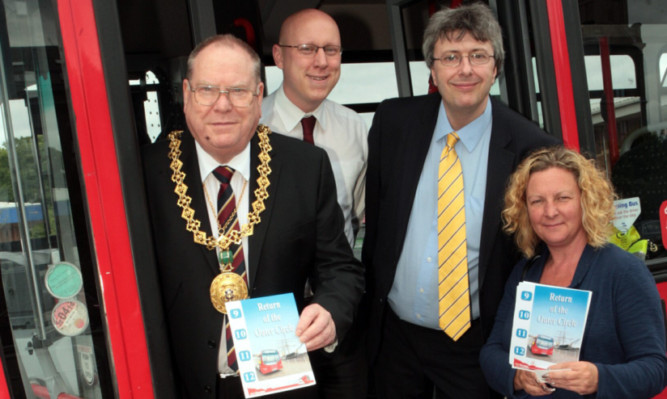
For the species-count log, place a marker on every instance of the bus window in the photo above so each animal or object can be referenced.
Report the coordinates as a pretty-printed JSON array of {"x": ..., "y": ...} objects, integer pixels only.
[
  {"x": 626, "y": 63},
  {"x": 623, "y": 72}
]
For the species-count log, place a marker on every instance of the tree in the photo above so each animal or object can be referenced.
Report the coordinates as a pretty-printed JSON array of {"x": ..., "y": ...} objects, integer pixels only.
[{"x": 29, "y": 177}]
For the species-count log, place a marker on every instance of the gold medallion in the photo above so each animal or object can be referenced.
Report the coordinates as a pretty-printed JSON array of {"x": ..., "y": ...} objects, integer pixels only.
[{"x": 227, "y": 286}]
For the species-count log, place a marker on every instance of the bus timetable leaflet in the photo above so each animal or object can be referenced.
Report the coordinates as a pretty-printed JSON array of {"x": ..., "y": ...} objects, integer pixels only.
[
  {"x": 270, "y": 356},
  {"x": 548, "y": 325}
]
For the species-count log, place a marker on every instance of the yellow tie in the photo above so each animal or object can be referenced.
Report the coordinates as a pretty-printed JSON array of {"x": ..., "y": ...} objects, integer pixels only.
[{"x": 454, "y": 302}]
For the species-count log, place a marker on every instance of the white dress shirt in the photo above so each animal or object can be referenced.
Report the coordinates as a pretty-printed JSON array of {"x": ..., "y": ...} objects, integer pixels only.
[{"x": 342, "y": 133}]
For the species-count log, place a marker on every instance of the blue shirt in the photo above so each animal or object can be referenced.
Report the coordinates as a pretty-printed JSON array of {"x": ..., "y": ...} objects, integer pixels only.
[{"x": 414, "y": 294}]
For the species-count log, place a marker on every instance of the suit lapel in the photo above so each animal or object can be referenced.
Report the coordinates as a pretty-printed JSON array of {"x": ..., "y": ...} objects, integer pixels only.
[
  {"x": 256, "y": 240},
  {"x": 195, "y": 191},
  {"x": 500, "y": 166},
  {"x": 414, "y": 147}
]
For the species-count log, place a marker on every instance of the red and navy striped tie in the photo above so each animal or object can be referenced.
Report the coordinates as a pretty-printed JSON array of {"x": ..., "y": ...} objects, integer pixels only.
[{"x": 227, "y": 216}]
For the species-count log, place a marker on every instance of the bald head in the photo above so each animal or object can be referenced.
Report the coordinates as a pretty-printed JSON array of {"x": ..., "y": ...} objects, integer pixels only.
[
  {"x": 308, "y": 77},
  {"x": 298, "y": 19}
]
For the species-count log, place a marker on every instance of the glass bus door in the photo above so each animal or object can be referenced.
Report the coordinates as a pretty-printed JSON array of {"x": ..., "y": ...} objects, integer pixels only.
[{"x": 52, "y": 333}]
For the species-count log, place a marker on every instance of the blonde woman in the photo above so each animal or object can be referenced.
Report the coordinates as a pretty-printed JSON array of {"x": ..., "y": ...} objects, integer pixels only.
[{"x": 559, "y": 207}]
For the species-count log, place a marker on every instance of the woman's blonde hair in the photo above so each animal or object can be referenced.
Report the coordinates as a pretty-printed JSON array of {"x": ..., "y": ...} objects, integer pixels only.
[{"x": 597, "y": 197}]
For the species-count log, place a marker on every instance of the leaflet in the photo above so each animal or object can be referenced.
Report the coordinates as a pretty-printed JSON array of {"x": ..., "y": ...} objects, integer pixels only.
[
  {"x": 270, "y": 356},
  {"x": 548, "y": 325}
]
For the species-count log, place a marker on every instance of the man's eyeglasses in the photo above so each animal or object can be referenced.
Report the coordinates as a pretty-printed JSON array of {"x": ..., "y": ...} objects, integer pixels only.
[
  {"x": 310, "y": 49},
  {"x": 475, "y": 58},
  {"x": 207, "y": 95}
]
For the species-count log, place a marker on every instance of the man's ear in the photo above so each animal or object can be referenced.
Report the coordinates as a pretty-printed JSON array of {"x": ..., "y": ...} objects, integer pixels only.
[
  {"x": 278, "y": 56},
  {"x": 186, "y": 92},
  {"x": 433, "y": 81}
]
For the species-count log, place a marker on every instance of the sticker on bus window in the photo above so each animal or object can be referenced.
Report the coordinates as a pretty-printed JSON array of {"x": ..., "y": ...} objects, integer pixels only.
[
  {"x": 627, "y": 211},
  {"x": 63, "y": 280},
  {"x": 70, "y": 317}
]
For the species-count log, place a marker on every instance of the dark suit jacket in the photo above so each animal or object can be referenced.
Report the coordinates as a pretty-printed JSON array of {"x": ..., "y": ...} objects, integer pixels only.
[
  {"x": 300, "y": 236},
  {"x": 397, "y": 145}
]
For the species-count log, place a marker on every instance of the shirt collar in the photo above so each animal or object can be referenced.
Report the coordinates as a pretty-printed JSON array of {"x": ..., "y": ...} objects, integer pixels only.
[
  {"x": 240, "y": 163},
  {"x": 292, "y": 115},
  {"x": 470, "y": 134}
]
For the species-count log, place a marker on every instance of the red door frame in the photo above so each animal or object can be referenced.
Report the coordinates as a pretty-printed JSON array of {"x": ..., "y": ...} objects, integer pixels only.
[
  {"x": 561, "y": 56},
  {"x": 4, "y": 389},
  {"x": 106, "y": 209}
]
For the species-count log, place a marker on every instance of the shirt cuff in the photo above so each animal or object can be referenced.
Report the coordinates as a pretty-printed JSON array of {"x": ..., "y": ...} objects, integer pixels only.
[{"x": 331, "y": 347}]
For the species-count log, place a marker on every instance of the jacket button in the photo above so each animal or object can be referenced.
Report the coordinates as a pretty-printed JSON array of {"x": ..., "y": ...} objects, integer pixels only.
[
  {"x": 211, "y": 344},
  {"x": 208, "y": 389}
]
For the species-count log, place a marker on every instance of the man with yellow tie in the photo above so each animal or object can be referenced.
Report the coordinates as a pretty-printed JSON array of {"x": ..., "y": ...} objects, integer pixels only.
[{"x": 435, "y": 254}]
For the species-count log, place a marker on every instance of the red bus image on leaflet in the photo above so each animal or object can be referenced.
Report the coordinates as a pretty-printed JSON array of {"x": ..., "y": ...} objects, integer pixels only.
[
  {"x": 269, "y": 361},
  {"x": 543, "y": 345}
]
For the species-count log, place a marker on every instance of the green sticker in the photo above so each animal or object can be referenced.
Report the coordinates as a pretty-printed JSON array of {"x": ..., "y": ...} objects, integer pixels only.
[{"x": 63, "y": 280}]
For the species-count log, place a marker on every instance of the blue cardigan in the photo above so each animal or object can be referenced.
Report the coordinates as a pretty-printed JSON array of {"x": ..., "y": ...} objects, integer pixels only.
[{"x": 624, "y": 335}]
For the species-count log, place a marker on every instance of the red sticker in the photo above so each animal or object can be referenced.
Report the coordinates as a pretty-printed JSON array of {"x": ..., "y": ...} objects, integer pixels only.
[{"x": 70, "y": 317}]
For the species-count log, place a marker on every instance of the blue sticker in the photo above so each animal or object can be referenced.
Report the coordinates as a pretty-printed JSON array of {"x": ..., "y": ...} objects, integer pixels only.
[
  {"x": 240, "y": 334},
  {"x": 521, "y": 333},
  {"x": 524, "y": 314},
  {"x": 519, "y": 350},
  {"x": 526, "y": 295}
]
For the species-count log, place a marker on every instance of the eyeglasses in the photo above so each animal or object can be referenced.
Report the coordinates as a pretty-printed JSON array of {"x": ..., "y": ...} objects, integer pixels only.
[
  {"x": 310, "y": 49},
  {"x": 475, "y": 58},
  {"x": 208, "y": 95}
]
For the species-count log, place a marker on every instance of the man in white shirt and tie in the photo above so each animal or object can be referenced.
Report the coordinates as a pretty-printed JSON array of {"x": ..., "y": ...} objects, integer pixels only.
[{"x": 309, "y": 54}]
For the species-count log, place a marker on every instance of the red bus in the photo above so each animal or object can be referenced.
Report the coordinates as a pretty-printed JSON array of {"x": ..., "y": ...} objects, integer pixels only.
[
  {"x": 543, "y": 346},
  {"x": 269, "y": 361}
]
